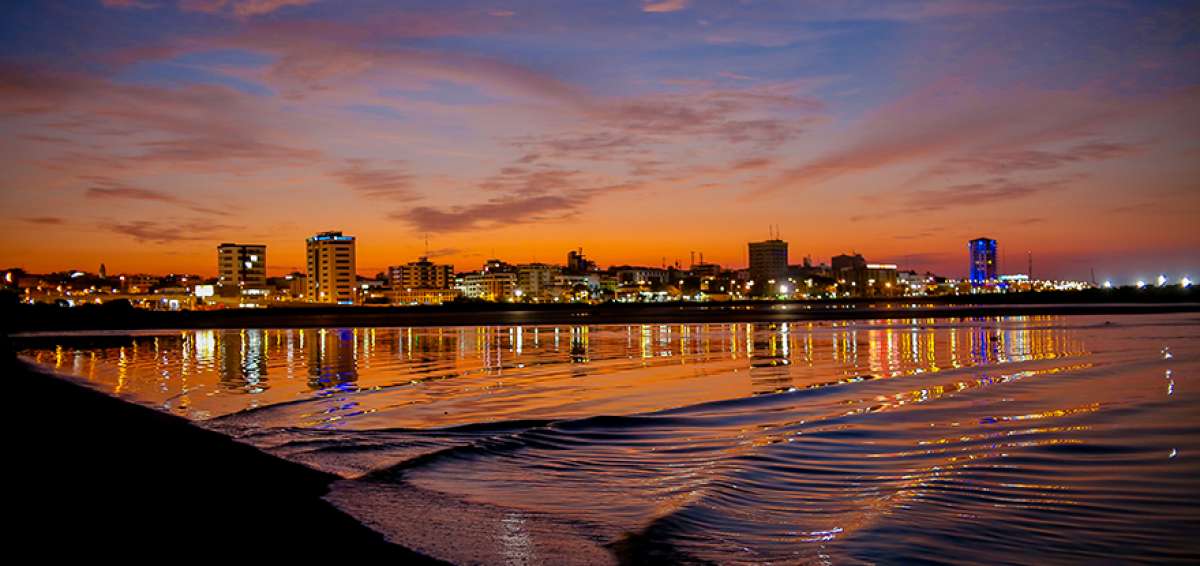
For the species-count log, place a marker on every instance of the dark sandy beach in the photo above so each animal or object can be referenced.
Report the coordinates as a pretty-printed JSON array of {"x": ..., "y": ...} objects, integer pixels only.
[{"x": 99, "y": 477}]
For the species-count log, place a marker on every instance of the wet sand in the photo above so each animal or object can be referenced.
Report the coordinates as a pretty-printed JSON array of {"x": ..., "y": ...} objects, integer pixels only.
[{"x": 103, "y": 477}]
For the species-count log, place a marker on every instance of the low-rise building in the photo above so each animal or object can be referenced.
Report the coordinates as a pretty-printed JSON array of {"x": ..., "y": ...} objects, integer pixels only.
[
  {"x": 421, "y": 274},
  {"x": 490, "y": 286}
]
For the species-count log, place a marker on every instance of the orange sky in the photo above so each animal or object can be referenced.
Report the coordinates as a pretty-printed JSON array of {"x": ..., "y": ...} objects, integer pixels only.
[{"x": 142, "y": 135}]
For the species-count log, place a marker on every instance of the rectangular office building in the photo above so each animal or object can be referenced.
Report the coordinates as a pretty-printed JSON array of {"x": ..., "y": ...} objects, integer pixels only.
[
  {"x": 241, "y": 267},
  {"x": 768, "y": 262},
  {"x": 331, "y": 269},
  {"x": 422, "y": 274}
]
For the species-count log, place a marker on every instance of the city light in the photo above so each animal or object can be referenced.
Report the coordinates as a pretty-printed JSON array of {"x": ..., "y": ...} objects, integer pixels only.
[
  {"x": 1107, "y": 284},
  {"x": 1162, "y": 280},
  {"x": 1140, "y": 284},
  {"x": 1185, "y": 282}
]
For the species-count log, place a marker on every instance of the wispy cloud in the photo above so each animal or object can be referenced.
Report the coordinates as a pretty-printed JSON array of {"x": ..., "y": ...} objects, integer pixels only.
[
  {"x": 989, "y": 192},
  {"x": 948, "y": 120},
  {"x": 240, "y": 8},
  {"x": 500, "y": 211},
  {"x": 166, "y": 232},
  {"x": 45, "y": 220},
  {"x": 103, "y": 188},
  {"x": 660, "y": 6},
  {"x": 1013, "y": 161},
  {"x": 375, "y": 181},
  {"x": 138, "y": 4},
  {"x": 528, "y": 198},
  {"x": 185, "y": 126}
]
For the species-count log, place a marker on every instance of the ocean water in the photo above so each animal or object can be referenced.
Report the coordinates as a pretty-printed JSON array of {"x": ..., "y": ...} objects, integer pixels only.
[{"x": 1029, "y": 440}]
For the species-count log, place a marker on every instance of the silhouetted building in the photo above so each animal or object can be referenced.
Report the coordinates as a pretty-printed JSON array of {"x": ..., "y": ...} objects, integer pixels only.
[
  {"x": 983, "y": 259},
  {"x": 845, "y": 266},
  {"x": 768, "y": 261},
  {"x": 857, "y": 277},
  {"x": 705, "y": 270},
  {"x": 331, "y": 269},
  {"x": 576, "y": 263}
]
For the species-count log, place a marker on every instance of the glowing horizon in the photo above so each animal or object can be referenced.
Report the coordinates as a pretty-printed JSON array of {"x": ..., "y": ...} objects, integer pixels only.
[{"x": 143, "y": 133}]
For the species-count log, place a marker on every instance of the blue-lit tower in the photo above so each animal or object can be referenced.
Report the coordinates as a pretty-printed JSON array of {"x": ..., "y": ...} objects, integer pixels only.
[{"x": 983, "y": 259}]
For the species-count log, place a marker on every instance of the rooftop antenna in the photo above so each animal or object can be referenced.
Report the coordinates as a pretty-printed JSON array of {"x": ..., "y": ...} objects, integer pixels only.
[
  {"x": 1030, "y": 269},
  {"x": 427, "y": 245},
  {"x": 694, "y": 258}
]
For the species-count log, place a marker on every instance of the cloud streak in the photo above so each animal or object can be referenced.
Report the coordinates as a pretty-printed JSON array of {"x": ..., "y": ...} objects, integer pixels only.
[
  {"x": 948, "y": 119},
  {"x": 373, "y": 181},
  {"x": 240, "y": 8},
  {"x": 109, "y": 189},
  {"x": 663, "y": 6},
  {"x": 989, "y": 192},
  {"x": 159, "y": 232}
]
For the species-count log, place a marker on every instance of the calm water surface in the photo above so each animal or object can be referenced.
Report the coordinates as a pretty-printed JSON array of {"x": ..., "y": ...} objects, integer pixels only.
[{"x": 999, "y": 440}]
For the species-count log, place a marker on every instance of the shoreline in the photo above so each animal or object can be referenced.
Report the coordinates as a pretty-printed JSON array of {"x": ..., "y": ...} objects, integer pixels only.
[
  {"x": 45, "y": 318},
  {"x": 102, "y": 476}
]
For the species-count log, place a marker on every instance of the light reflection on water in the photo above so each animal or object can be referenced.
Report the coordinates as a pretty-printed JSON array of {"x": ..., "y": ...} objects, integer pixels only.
[
  {"x": 208, "y": 373},
  {"x": 898, "y": 440}
]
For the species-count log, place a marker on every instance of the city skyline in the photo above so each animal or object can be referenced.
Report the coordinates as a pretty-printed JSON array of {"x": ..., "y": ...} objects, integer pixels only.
[
  {"x": 1000, "y": 268},
  {"x": 140, "y": 134}
]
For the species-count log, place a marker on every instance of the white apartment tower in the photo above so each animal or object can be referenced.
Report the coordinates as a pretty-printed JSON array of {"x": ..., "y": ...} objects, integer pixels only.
[{"x": 331, "y": 269}]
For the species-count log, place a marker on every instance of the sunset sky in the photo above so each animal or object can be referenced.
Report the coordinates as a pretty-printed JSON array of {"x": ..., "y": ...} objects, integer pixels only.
[{"x": 142, "y": 133}]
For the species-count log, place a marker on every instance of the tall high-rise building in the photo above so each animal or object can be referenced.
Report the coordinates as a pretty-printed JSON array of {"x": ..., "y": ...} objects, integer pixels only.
[
  {"x": 983, "y": 259},
  {"x": 241, "y": 267},
  {"x": 421, "y": 274},
  {"x": 768, "y": 261},
  {"x": 331, "y": 269}
]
